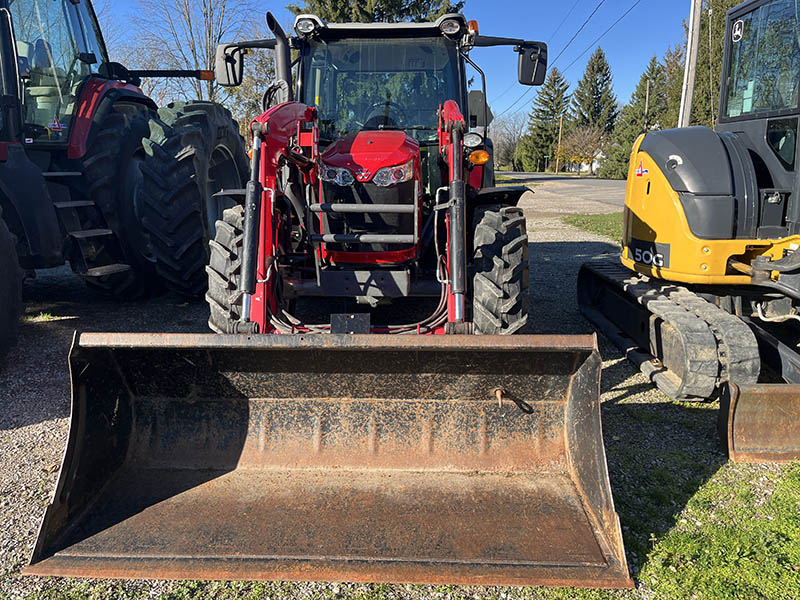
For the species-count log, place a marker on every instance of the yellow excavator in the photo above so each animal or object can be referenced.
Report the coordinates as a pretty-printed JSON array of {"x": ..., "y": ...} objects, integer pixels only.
[{"x": 706, "y": 300}]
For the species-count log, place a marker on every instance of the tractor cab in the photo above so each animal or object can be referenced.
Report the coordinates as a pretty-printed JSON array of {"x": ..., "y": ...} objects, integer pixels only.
[
  {"x": 58, "y": 46},
  {"x": 372, "y": 83}
]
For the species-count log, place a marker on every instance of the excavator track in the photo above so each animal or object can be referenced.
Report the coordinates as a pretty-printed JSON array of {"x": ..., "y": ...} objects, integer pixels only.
[{"x": 686, "y": 345}]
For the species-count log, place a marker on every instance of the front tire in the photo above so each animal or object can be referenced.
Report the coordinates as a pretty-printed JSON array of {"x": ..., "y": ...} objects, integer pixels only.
[
  {"x": 500, "y": 271},
  {"x": 224, "y": 271}
]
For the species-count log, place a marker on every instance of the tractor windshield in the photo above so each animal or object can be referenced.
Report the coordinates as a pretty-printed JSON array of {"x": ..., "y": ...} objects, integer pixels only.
[
  {"x": 764, "y": 63},
  {"x": 58, "y": 46},
  {"x": 380, "y": 83}
]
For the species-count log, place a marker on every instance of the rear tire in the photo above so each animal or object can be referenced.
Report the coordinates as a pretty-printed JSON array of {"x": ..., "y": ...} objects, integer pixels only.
[
  {"x": 10, "y": 287},
  {"x": 500, "y": 271},
  {"x": 193, "y": 151},
  {"x": 220, "y": 161},
  {"x": 111, "y": 171},
  {"x": 224, "y": 271}
]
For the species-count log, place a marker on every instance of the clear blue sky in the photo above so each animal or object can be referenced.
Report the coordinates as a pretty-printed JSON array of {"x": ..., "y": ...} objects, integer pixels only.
[{"x": 650, "y": 28}]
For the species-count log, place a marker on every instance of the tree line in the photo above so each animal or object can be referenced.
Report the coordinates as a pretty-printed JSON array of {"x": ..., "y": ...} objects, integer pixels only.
[
  {"x": 594, "y": 129},
  {"x": 184, "y": 34}
]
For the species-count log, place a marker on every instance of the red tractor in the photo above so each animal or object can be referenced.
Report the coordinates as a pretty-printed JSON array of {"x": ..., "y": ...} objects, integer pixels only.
[
  {"x": 92, "y": 171},
  {"x": 373, "y": 184},
  {"x": 416, "y": 458}
]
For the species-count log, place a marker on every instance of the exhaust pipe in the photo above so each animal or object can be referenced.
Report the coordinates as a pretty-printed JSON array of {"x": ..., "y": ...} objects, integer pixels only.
[{"x": 283, "y": 61}]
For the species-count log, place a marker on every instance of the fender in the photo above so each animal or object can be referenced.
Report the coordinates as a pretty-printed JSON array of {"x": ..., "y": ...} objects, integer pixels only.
[
  {"x": 95, "y": 99},
  {"x": 28, "y": 210}
]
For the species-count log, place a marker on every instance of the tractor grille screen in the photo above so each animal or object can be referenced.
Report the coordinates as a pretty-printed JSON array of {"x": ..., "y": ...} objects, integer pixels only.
[{"x": 368, "y": 193}]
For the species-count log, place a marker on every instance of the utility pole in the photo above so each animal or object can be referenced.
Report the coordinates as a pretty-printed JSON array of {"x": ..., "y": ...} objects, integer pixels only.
[
  {"x": 692, "y": 46},
  {"x": 647, "y": 107},
  {"x": 558, "y": 152}
]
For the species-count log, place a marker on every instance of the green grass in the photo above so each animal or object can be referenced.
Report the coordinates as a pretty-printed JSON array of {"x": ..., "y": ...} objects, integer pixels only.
[
  {"x": 608, "y": 225},
  {"x": 42, "y": 317},
  {"x": 737, "y": 538}
]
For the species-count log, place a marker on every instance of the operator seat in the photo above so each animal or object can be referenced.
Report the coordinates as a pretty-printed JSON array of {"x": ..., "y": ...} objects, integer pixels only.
[{"x": 45, "y": 82}]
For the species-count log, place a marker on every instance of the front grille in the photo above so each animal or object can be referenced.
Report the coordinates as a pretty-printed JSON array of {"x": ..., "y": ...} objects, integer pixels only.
[{"x": 368, "y": 223}]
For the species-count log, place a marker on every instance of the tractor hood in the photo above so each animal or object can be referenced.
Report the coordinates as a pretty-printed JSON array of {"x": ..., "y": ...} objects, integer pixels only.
[{"x": 365, "y": 152}]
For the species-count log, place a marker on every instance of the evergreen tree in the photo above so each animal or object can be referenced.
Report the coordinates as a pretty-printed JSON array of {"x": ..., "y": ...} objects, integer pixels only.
[
  {"x": 551, "y": 103},
  {"x": 705, "y": 102},
  {"x": 633, "y": 120},
  {"x": 375, "y": 11},
  {"x": 673, "y": 71},
  {"x": 594, "y": 101}
]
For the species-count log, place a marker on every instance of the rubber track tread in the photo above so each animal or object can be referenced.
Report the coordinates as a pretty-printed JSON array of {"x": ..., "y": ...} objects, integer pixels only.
[
  {"x": 737, "y": 346},
  {"x": 701, "y": 368},
  {"x": 734, "y": 344}
]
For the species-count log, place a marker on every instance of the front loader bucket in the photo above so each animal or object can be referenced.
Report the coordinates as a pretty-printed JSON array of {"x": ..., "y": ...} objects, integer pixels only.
[
  {"x": 761, "y": 422},
  {"x": 327, "y": 457}
]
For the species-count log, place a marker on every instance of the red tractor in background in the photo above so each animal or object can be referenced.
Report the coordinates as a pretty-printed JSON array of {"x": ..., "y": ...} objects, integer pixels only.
[
  {"x": 373, "y": 185},
  {"x": 92, "y": 171}
]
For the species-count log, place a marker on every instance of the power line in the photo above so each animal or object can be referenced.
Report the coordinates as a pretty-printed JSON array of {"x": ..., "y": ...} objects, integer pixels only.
[
  {"x": 564, "y": 20},
  {"x": 552, "y": 35},
  {"x": 601, "y": 36},
  {"x": 586, "y": 22},
  {"x": 552, "y": 64}
]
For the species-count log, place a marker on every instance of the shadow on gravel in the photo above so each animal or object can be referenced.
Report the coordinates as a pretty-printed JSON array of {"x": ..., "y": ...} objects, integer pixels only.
[
  {"x": 34, "y": 379},
  {"x": 659, "y": 454},
  {"x": 553, "y": 275}
]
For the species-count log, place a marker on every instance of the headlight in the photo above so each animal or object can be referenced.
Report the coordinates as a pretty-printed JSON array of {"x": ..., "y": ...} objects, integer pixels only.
[
  {"x": 337, "y": 175},
  {"x": 450, "y": 27},
  {"x": 305, "y": 26},
  {"x": 473, "y": 140},
  {"x": 391, "y": 175}
]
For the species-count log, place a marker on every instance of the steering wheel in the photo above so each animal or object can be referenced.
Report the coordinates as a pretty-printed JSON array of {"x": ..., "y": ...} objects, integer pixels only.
[{"x": 385, "y": 113}]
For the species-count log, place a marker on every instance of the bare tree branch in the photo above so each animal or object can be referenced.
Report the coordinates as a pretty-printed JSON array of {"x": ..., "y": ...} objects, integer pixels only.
[{"x": 184, "y": 34}]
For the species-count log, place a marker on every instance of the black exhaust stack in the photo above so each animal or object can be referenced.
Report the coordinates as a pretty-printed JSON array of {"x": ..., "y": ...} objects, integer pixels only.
[{"x": 283, "y": 61}]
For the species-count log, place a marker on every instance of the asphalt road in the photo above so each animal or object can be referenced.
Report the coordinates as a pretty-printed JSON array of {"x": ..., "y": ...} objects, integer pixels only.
[{"x": 607, "y": 191}]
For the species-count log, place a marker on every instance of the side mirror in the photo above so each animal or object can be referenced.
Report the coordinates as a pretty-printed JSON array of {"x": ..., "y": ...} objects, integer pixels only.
[
  {"x": 114, "y": 70},
  {"x": 532, "y": 67},
  {"x": 229, "y": 65},
  {"x": 478, "y": 111}
]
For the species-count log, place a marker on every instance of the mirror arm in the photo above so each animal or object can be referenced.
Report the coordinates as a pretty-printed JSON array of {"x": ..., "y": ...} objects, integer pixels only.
[
  {"x": 485, "y": 98},
  {"x": 484, "y": 41}
]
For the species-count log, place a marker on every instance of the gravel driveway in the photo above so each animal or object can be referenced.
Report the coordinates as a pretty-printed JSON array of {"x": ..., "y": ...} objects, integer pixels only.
[{"x": 34, "y": 384}]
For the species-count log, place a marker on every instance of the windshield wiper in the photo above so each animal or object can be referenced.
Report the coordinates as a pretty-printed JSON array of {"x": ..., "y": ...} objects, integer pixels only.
[{"x": 411, "y": 127}]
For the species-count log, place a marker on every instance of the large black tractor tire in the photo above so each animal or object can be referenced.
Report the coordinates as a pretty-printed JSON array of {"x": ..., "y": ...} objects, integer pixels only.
[
  {"x": 193, "y": 151},
  {"x": 10, "y": 287},
  {"x": 500, "y": 271},
  {"x": 112, "y": 172},
  {"x": 224, "y": 270}
]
